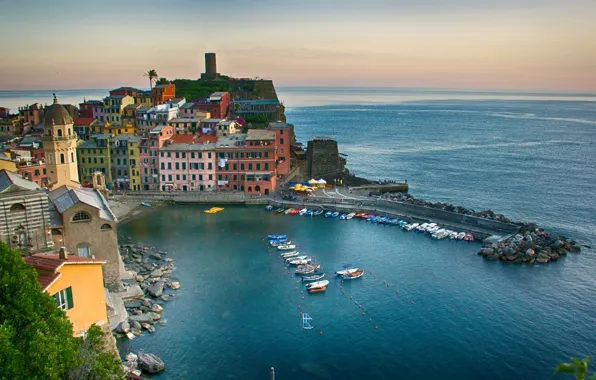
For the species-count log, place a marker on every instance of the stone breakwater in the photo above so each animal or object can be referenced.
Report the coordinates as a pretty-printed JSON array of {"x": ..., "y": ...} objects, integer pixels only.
[
  {"x": 153, "y": 271},
  {"x": 530, "y": 245}
]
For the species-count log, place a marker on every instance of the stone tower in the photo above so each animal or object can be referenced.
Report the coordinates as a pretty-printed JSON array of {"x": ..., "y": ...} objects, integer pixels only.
[{"x": 60, "y": 146}]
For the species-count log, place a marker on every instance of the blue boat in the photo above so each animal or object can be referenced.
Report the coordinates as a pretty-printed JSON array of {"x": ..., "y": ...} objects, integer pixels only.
[
  {"x": 335, "y": 214},
  {"x": 343, "y": 216},
  {"x": 269, "y": 208},
  {"x": 317, "y": 213},
  {"x": 374, "y": 219},
  {"x": 328, "y": 214},
  {"x": 276, "y": 237},
  {"x": 309, "y": 213}
]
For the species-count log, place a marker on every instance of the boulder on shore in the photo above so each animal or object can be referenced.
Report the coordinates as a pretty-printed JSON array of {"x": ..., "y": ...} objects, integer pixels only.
[
  {"x": 156, "y": 273},
  {"x": 141, "y": 318},
  {"x": 156, "y": 289},
  {"x": 150, "y": 363},
  {"x": 123, "y": 327}
]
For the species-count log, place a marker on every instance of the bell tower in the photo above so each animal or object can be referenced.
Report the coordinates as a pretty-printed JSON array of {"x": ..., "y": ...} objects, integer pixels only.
[{"x": 60, "y": 145}]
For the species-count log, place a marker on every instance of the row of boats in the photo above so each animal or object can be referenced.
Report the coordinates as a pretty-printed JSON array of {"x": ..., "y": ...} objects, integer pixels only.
[
  {"x": 310, "y": 271},
  {"x": 433, "y": 229}
]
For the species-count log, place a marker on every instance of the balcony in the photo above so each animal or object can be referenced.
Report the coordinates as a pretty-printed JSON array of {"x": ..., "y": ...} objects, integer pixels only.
[{"x": 59, "y": 138}]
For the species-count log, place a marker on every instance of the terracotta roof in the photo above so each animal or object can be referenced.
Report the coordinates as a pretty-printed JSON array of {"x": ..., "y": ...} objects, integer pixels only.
[
  {"x": 83, "y": 121},
  {"x": 207, "y": 138},
  {"x": 46, "y": 266},
  {"x": 57, "y": 114},
  {"x": 46, "y": 278},
  {"x": 184, "y": 139}
]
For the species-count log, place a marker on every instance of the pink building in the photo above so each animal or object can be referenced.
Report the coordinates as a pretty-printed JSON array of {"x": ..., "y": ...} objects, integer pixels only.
[
  {"x": 188, "y": 111},
  {"x": 149, "y": 147},
  {"x": 284, "y": 135},
  {"x": 98, "y": 111},
  {"x": 187, "y": 163}
]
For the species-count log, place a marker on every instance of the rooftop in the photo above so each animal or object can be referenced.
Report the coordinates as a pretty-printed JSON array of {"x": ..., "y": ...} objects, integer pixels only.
[
  {"x": 162, "y": 86},
  {"x": 48, "y": 265},
  {"x": 183, "y": 120},
  {"x": 212, "y": 120},
  {"x": 9, "y": 179},
  {"x": 83, "y": 120},
  {"x": 65, "y": 197},
  {"x": 126, "y": 89},
  {"x": 132, "y": 107},
  {"x": 260, "y": 134},
  {"x": 129, "y": 138},
  {"x": 188, "y": 105},
  {"x": 93, "y": 102},
  {"x": 280, "y": 125},
  {"x": 231, "y": 141}
]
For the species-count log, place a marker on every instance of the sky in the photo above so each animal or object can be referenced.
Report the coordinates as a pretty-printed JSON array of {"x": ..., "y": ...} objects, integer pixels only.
[{"x": 525, "y": 45}]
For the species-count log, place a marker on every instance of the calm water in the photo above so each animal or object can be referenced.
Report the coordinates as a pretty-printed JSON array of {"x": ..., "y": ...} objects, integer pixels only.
[
  {"x": 456, "y": 316},
  {"x": 528, "y": 156}
]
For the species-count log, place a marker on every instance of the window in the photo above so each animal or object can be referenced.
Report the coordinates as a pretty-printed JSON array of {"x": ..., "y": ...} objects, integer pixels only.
[
  {"x": 170, "y": 177},
  {"x": 200, "y": 155},
  {"x": 177, "y": 155},
  {"x": 105, "y": 227},
  {"x": 183, "y": 154},
  {"x": 17, "y": 207},
  {"x": 281, "y": 132},
  {"x": 209, "y": 156},
  {"x": 258, "y": 166},
  {"x": 36, "y": 172},
  {"x": 241, "y": 166},
  {"x": 64, "y": 299},
  {"x": 235, "y": 167},
  {"x": 163, "y": 177},
  {"x": 249, "y": 166},
  {"x": 177, "y": 165},
  {"x": 177, "y": 177},
  {"x": 184, "y": 177},
  {"x": 281, "y": 141},
  {"x": 192, "y": 154},
  {"x": 81, "y": 217},
  {"x": 266, "y": 166},
  {"x": 200, "y": 177},
  {"x": 163, "y": 166},
  {"x": 266, "y": 154},
  {"x": 183, "y": 165},
  {"x": 62, "y": 158},
  {"x": 210, "y": 165}
]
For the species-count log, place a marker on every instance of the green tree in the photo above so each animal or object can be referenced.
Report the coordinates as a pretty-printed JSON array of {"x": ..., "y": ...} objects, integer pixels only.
[
  {"x": 162, "y": 80},
  {"x": 94, "y": 362},
  {"x": 577, "y": 367},
  {"x": 152, "y": 75},
  {"x": 36, "y": 338}
]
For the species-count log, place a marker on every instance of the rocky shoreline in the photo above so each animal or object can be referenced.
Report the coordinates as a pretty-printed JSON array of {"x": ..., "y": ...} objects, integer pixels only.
[
  {"x": 153, "y": 272},
  {"x": 530, "y": 244}
]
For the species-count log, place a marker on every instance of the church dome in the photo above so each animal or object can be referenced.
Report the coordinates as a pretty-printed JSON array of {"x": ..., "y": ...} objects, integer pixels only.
[{"x": 57, "y": 114}]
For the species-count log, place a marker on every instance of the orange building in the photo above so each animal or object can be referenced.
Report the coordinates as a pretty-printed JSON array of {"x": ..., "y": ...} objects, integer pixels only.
[
  {"x": 76, "y": 283},
  {"x": 162, "y": 93}
]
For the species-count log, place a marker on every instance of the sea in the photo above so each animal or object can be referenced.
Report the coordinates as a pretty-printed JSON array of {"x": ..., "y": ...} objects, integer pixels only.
[{"x": 425, "y": 309}]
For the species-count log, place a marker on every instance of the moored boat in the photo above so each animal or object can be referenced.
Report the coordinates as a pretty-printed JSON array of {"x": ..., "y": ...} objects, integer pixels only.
[
  {"x": 335, "y": 214},
  {"x": 146, "y": 204},
  {"x": 350, "y": 215},
  {"x": 317, "y": 284},
  {"x": 279, "y": 210},
  {"x": 343, "y": 216},
  {"x": 277, "y": 243},
  {"x": 276, "y": 237},
  {"x": 317, "y": 213},
  {"x": 309, "y": 212},
  {"x": 269, "y": 208},
  {"x": 302, "y": 212},
  {"x": 306, "y": 269},
  {"x": 286, "y": 247},
  {"x": 288, "y": 255},
  {"x": 315, "y": 277},
  {"x": 299, "y": 262},
  {"x": 288, "y": 211},
  {"x": 353, "y": 275},
  {"x": 296, "y": 257},
  {"x": 328, "y": 214},
  {"x": 346, "y": 271},
  {"x": 317, "y": 290}
]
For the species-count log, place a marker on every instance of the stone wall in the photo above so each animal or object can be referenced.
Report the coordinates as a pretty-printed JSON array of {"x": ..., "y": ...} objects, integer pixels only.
[{"x": 323, "y": 158}]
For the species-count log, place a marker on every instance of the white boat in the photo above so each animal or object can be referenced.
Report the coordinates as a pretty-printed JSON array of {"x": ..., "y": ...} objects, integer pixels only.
[
  {"x": 351, "y": 276},
  {"x": 315, "y": 277},
  {"x": 299, "y": 262},
  {"x": 277, "y": 243},
  {"x": 461, "y": 236},
  {"x": 432, "y": 230},
  {"x": 302, "y": 212},
  {"x": 146, "y": 204},
  {"x": 436, "y": 234},
  {"x": 317, "y": 284},
  {"x": 286, "y": 247},
  {"x": 296, "y": 257},
  {"x": 453, "y": 235},
  {"x": 289, "y": 255},
  {"x": 346, "y": 271},
  {"x": 410, "y": 227},
  {"x": 350, "y": 215}
]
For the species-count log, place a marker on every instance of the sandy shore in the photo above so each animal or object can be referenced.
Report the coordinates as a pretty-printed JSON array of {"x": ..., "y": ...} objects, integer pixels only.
[{"x": 126, "y": 209}]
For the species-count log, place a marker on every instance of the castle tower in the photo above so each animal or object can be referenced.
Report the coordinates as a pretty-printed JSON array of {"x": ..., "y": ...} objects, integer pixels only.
[
  {"x": 60, "y": 145},
  {"x": 210, "y": 67}
]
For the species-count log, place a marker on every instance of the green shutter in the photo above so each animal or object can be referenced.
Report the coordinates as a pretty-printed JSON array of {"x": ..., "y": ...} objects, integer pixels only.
[
  {"x": 56, "y": 299},
  {"x": 70, "y": 303}
]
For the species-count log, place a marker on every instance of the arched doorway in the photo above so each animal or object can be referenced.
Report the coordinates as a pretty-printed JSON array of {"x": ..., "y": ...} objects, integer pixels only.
[
  {"x": 266, "y": 191},
  {"x": 257, "y": 188},
  {"x": 250, "y": 189}
]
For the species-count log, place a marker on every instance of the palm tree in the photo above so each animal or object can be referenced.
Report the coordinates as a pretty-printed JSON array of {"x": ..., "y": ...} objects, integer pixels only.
[{"x": 152, "y": 75}]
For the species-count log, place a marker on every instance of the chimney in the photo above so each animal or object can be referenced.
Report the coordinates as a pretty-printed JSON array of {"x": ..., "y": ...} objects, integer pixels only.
[{"x": 62, "y": 254}]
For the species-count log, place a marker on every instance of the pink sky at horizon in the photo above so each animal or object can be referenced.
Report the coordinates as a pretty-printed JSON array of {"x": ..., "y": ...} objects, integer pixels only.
[{"x": 511, "y": 45}]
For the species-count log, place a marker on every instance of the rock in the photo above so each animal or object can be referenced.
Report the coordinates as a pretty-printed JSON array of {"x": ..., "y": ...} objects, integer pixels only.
[
  {"x": 131, "y": 357},
  {"x": 136, "y": 332},
  {"x": 169, "y": 259},
  {"x": 530, "y": 252},
  {"x": 575, "y": 248},
  {"x": 136, "y": 325},
  {"x": 156, "y": 289},
  {"x": 142, "y": 318},
  {"x": 145, "y": 309},
  {"x": 145, "y": 326},
  {"x": 150, "y": 363},
  {"x": 132, "y": 304},
  {"x": 156, "y": 273},
  {"x": 151, "y": 329},
  {"x": 123, "y": 327},
  {"x": 175, "y": 285},
  {"x": 139, "y": 278},
  {"x": 155, "y": 256},
  {"x": 137, "y": 312},
  {"x": 154, "y": 316},
  {"x": 156, "y": 308},
  {"x": 131, "y": 335},
  {"x": 529, "y": 238}
]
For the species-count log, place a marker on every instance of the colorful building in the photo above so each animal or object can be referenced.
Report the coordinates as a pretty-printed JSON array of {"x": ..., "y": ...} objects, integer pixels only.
[
  {"x": 148, "y": 119},
  {"x": 126, "y": 162},
  {"x": 9, "y": 125},
  {"x": 85, "y": 127},
  {"x": 150, "y": 146},
  {"x": 125, "y": 91},
  {"x": 7, "y": 163},
  {"x": 246, "y": 162},
  {"x": 76, "y": 284},
  {"x": 130, "y": 114},
  {"x": 187, "y": 163},
  {"x": 86, "y": 109},
  {"x": 144, "y": 98},
  {"x": 284, "y": 137},
  {"x": 95, "y": 156},
  {"x": 34, "y": 172},
  {"x": 117, "y": 129},
  {"x": 4, "y": 112},
  {"x": 209, "y": 126},
  {"x": 217, "y": 105},
  {"x": 162, "y": 93},
  {"x": 186, "y": 125},
  {"x": 225, "y": 128},
  {"x": 114, "y": 107},
  {"x": 256, "y": 109}
]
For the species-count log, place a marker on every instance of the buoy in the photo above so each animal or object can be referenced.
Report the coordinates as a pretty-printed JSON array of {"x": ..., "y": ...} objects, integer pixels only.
[
  {"x": 412, "y": 302},
  {"x": 300, "y": 313},
  {"x": 376, "y": 327},
  {"x": 375, "y": 276},
  {"x": 387, "y": 285},
  {"x": 298, "y": 306},
  {"x": 396, "y": 292},
  {"x": 350, "y": 297},
  {"x": 320, "y": 332},
  {"x": 302, "y": 297},
  {"x": 371, "y": 272},
  {"x": 363, "y": 314},
  {"x": 341, "y": 287},
  {"x": 342, "y": 281},
  {"x": 370, "y": 319}
]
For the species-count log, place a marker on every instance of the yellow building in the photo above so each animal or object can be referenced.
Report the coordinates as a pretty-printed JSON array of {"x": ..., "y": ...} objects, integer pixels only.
[
  {"x": 60, "y": 146},
  {"x": 118, "y": 130},
  {"x": 114, "y": 107},
  {"x": 85, "y": 127},
  {"x": 76, "y": 283},
  {"x": 7, "y": 163},
  {"x": 94, "y": 156},
  {"x": 144, "y": 98},
  {"x": 10, "y": 125}
]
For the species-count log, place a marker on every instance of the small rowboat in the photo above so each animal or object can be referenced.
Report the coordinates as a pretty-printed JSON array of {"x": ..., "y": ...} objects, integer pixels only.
[
  {"x": 276, "y": 237},
  {"x": 316, "y": 277},
  {"x": 317, "y": 213},
  {"x": 280, "y": 210},
  {"x": 286, "y": 247},
  {"x": 317, "y": 290},
  {"x": 279, "y": 242},
  {"x": 318, "y": 284},
  {"x": 346, "y": 271},
  {"x": 307, "y": 269},
  {"x": 353, "y": 275},
  {"x": 289, "y": 255},
  {"x": 296, "y": 257},
  {"x": 299, "y": 262},
  {"x": 269, "y": 208}
]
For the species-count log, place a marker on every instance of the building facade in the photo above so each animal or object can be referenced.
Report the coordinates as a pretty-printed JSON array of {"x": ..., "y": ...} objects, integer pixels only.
[
  {"x": 77, "y": 286},
  {"x": 257, "y": 110},
  {"x": 187, "y": 163},
  {"x": 162, "y": 93},
  {"x": 217, "y": 105},
  {"x": 34, "y": 172},
  {"x": 86, "y": 109},
  {"x": 114, "y": 106},
  {"x": 94, "y": 155},
  {"x": 150, "y": 146},
  {"x": 125, "y": 162},
  {"x": 284, "y": 137}
]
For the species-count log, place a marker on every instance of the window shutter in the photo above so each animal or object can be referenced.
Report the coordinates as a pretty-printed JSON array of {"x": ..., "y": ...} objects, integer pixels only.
[
  {"x": 70, "y": 303},
  {"x": 56, "y": 298}
]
